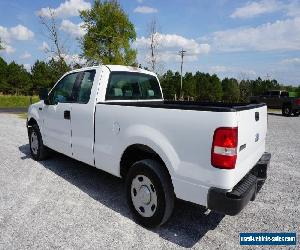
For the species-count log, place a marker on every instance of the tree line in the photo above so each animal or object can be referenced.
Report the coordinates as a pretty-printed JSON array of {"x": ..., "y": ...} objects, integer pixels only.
[
  {"x": 108, "y": 40},
  {"x": 209, "y": 87}
]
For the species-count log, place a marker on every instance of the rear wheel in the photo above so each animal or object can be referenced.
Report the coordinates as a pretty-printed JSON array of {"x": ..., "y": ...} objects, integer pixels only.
[
  {"x": 150, "y": 193},
  {"x": 286, "y": 110},
  {"x": 296, "y": 113},
  {"x": 38, "y": 150}
]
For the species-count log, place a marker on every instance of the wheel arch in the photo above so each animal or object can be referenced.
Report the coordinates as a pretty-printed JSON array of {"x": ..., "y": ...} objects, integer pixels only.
[{"x": 137, "y": 152}]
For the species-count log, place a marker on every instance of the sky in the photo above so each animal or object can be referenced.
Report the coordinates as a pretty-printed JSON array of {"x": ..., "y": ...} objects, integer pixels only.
[{"x": 232, "y": 38}]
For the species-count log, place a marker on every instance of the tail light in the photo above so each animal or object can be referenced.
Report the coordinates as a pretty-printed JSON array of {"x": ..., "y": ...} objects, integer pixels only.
[
  {"x": 224, "y": 148},
  {"x": 298, "y": 101}
]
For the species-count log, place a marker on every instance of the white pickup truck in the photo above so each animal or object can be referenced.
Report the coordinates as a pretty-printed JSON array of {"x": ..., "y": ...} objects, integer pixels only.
[{"x": 114, "y": 118}]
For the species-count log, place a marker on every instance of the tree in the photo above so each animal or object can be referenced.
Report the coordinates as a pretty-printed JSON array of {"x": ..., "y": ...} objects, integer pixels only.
[
  {"x": 109, "y": 34},
  {"x": 208, "y": 87},
  {"x": 40, "y": 75},
  {"x": 170, "y": 84},
  {"x": 231, "y": 91},
  {"x": 1, "y": 47},
  {"x": 153, "y": 37},
  {"x": 57, "y": 69},
  {"x": 52, "y": 33},
  {"x": 189, "y": 86},
  {"x": 245, "y": 90},
  {"x": 4, "y": 87},
  {"x": 18, "y": 79}
]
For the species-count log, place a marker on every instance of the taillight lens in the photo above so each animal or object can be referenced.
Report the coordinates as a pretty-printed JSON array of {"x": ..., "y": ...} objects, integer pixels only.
[
  {"x": 298, "y": 101},
  {"x": 224, "y": 148}
]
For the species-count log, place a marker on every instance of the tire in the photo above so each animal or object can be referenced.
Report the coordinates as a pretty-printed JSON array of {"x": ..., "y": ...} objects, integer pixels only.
[
  {"x": 286, "y": 110},
  {"x": 296, "y": 113},
  {"x": 150, "y": 193},
  {"x": 38, "y": 150}
]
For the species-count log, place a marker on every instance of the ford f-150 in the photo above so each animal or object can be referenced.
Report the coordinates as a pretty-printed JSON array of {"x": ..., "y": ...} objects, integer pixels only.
[{"x": 115, "y": 118}]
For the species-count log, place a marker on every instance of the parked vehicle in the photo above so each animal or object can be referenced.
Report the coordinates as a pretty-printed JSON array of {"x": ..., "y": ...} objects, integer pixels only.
[
  {"x": 114, "y": 118},
  {"x": 279, "y": 99}
]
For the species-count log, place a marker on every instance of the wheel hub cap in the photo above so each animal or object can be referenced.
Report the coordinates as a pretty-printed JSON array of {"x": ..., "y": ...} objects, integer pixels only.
[
  {"x": 34, "y": 143},
  {"x": 143, "y": 196}
]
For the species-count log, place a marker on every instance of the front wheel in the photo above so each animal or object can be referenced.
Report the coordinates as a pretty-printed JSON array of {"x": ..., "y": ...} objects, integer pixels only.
[
  {"x": 150, "y": 193},
  {"x": 37, "y": 148},
  {"x": 286, "y": 110}
]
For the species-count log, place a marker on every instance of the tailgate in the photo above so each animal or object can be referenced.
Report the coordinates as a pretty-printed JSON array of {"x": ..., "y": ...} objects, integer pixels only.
[{"x": 252, "y": 129}]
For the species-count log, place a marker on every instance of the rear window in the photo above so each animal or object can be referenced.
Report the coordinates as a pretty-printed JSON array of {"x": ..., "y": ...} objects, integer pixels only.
[{"x": 132, "y": 86}]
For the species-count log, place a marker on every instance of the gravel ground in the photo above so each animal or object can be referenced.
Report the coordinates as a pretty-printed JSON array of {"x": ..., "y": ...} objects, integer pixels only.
[{"x": 62, "y": 203}]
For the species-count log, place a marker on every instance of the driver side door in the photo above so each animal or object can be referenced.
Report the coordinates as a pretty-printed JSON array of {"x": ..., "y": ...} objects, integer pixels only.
[{"x": 57, "y": 124}]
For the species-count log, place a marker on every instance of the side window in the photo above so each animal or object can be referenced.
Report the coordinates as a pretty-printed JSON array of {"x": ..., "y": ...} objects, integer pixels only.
[
  {"x": 132, "y": 86},
  {"x": 62, "y": 92},
  {"x": 86, "y": 86}
]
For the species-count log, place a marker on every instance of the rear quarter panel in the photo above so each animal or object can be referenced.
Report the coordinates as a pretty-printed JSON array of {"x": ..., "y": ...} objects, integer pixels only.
[{"x": 182, "y": 138}]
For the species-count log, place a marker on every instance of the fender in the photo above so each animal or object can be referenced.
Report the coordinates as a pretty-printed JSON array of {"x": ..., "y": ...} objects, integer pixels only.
[
  {"x": 34, "y": 114},
  {"x": 142, "y": 134}
]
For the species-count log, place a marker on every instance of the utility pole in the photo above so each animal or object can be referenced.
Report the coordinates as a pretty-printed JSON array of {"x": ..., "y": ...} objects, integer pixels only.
[{"x": 181, "y": 53}]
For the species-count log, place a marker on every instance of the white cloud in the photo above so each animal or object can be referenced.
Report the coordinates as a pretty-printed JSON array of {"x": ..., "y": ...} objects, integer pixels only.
[
  {"x": 4, "y": 34},
  {"x": 21, "y": 32},
  {"x": 279, "y": 35},
  {"x": 169, "y": 45},
  {"x": 140, "y": 1},
  {"x": 174, "y": 43},
  {"x": 73, "y": 59},
  {"x": 18, "y": 32},
  {"x": 254, "y": 8},
  {"x": 44, "y": 47},
  {"x": 291, "y": 61},
  {"x": 27, "y": 66},
  {"x": 8, "y": 49},
  {"x": 145, "y": 10},
  {"x": 67, "y": 9},
  {"x": 230, "y": 71},
  {"x": 75, "y": 30},
  {"x": 293, "y": 8},
  {"x": 25, "y": 55}
]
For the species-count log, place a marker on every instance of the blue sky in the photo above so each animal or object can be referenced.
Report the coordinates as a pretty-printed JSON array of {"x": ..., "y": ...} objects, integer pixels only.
[{"x": 242, "y": 39}]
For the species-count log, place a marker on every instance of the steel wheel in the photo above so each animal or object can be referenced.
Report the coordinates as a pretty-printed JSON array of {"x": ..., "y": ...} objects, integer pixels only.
[
  {"x": 143, "y": 195},
  {"x": 34, "y": 142}
]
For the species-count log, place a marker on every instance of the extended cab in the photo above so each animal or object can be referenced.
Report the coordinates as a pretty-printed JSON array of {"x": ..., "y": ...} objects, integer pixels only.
[
  {"x": 279, "y": 99},
  {"x": 114, "y": 118}
]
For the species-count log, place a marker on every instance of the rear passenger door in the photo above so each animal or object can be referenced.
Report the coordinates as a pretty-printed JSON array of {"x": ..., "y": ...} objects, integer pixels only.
[{"x": 82, "y": 118}]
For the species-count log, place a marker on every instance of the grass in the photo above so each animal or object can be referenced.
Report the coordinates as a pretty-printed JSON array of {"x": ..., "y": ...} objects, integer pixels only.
[{"x": 14, "y": 101}]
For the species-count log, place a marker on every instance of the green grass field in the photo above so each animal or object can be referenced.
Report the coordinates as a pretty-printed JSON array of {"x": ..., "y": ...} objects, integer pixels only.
[{"x": 13, "y": 101}]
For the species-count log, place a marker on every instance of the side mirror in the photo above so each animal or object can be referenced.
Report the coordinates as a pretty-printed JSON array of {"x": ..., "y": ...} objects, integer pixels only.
[{"x": 43, "y": 94}]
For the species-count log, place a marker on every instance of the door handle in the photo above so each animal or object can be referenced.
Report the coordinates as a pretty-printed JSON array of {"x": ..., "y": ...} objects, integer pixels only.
[{"x": 67, "y": 115}]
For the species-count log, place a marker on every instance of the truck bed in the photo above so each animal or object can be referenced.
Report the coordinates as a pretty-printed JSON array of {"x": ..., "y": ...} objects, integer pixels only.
[{"x": 190, "y": 105}]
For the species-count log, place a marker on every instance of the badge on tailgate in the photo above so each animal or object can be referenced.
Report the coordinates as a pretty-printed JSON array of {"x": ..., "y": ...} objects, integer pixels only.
[{"x": 256, "y": 137}]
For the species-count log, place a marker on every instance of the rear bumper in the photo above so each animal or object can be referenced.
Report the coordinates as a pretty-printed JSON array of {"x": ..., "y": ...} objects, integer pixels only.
[{"x": 231, "y": 203}]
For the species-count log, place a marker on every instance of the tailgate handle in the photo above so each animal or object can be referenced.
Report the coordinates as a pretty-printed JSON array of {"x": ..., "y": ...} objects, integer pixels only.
[{"x": 256, "y": 116}]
